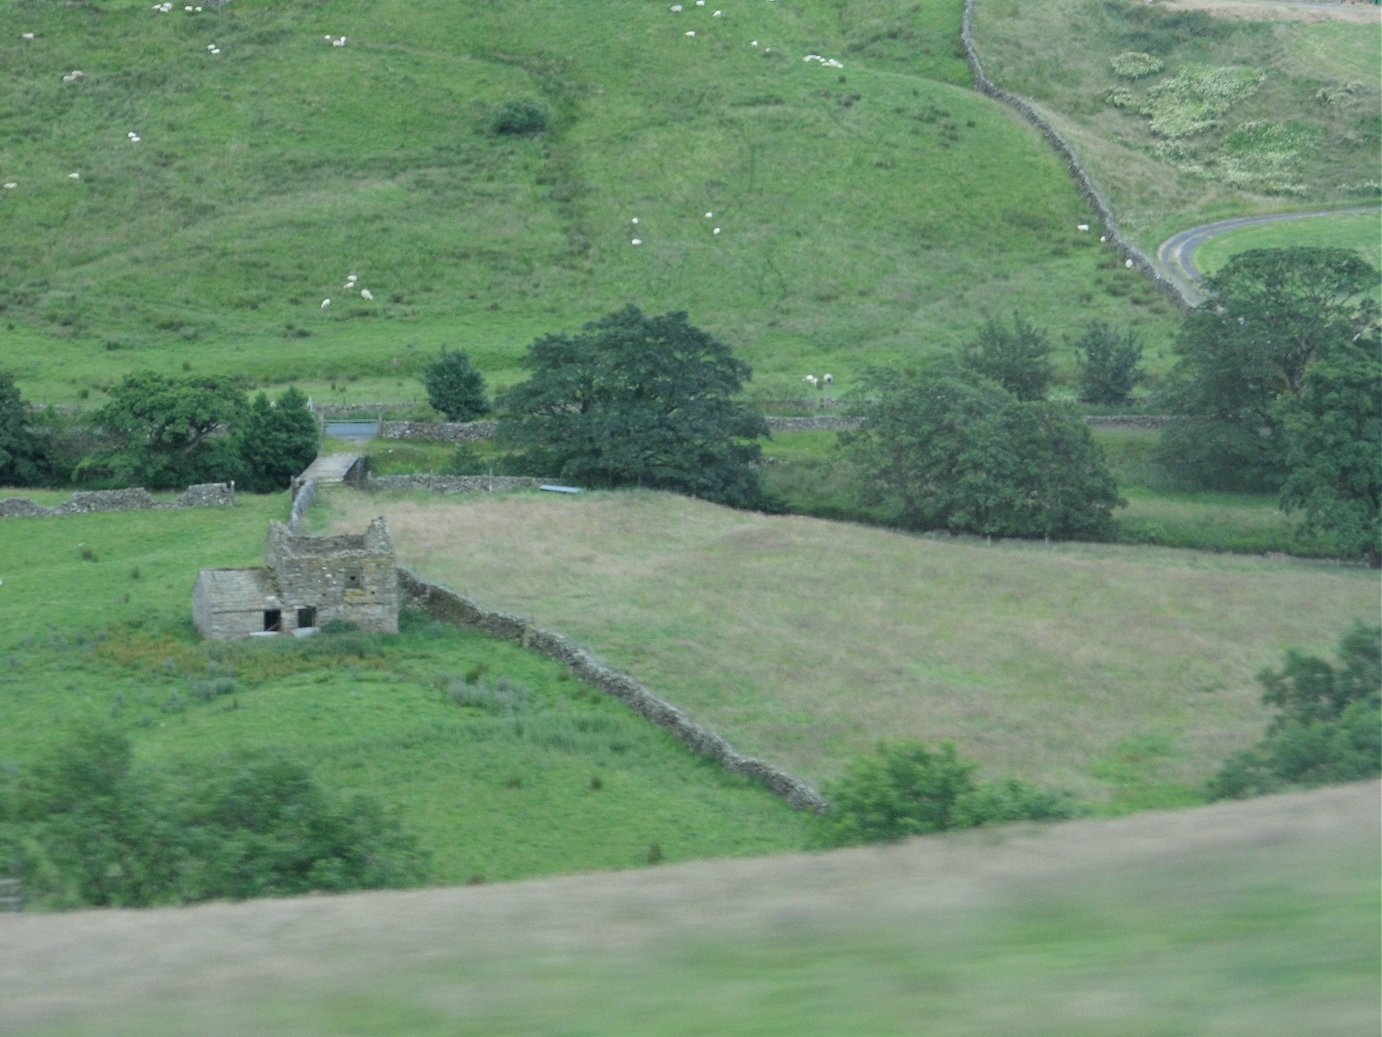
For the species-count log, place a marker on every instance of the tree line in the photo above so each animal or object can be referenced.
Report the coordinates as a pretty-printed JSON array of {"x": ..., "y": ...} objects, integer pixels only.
[
  {"x": 1275, "y": 385},
  {"x": 161, "y": 433}
]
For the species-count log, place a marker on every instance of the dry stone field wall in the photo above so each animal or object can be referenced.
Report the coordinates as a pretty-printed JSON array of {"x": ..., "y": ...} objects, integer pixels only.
[
  {"x": 450, "y": 607},
  {"x": 1130, "y": 252},
  {"x": 85, "y": 502}
]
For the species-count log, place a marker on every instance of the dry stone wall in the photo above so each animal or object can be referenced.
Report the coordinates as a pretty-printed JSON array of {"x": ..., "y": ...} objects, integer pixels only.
[
  {"x": 1083, "y": 180},
  {"x": 450, "y": 607},
  {"x": 86, "y": 502},
  {"x": 438, "y": 431}
]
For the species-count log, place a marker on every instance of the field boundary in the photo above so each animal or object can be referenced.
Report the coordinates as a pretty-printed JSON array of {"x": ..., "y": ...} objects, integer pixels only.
[
  {"x": 452, "y": 608},
  {"x": 1133, "y": 256}
]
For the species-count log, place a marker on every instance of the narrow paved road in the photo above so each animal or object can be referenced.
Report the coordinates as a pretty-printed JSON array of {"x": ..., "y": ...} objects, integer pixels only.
[{"x": 1177, "y": 253}]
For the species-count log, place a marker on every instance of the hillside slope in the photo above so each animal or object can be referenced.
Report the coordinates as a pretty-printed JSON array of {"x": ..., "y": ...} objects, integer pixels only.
[{"x": 866, "y": 213}]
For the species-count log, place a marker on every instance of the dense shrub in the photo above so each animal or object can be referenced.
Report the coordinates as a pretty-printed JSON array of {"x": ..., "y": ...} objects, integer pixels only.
[
  {"x": 1328, "y": 725},
  {"x": 520, "y": 116},
  {"x": 455, "y": 387},
  {"x": 92, "y": 829},
  {"x": 907, "y": 789},
  {"x": 1134, "y": 64}
]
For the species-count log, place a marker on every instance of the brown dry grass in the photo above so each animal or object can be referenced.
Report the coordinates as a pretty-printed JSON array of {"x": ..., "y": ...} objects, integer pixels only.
[
  {"x": 212, "y": 969},
  {"x": 805, "y": 642}
]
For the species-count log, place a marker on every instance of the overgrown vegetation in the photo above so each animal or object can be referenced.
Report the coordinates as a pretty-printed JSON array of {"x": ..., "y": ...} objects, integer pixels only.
[
  {"x": 1327, "y": 725},
  {"x": 87, "y": 827},
  {"x": 907, "y": 789}
]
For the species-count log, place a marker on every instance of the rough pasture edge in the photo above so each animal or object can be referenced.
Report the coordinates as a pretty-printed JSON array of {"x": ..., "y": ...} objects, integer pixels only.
[
  {"x": 1180, "y": 294},
  {"x": 450, "y": 607}
]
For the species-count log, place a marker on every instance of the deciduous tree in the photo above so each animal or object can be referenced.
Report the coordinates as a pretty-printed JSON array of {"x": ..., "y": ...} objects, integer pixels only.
[
  {"x": 951, "y": 450},
  {"x": 638, "y": 400},
  {"x": 277, "y": 440},
  {"x": 1269, "y": 314},
  {"x": 21, "y": 452}
]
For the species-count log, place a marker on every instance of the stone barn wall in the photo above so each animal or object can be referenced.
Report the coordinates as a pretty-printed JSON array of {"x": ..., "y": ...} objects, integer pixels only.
[{"x": 350, "y": 578}]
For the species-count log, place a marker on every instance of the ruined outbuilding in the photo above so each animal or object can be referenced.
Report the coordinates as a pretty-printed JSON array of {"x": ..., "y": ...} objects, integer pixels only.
[{"x": 306, "y": 582}]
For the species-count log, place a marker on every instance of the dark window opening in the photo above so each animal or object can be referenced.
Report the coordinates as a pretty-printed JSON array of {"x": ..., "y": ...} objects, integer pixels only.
[
  {"x": 273, "y": 620},
  {"x": 352, "y": 579},
  {"x": 307, "y": 617}
]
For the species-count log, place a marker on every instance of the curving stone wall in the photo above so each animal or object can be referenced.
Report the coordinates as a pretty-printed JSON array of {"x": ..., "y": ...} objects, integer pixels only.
[
  {"x": 1083, "y": 180},
  {"x": 450, "y": 607}
]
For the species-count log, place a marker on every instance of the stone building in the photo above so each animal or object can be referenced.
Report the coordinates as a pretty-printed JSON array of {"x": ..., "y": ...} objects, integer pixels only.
[{"x": 305, "y": 583}]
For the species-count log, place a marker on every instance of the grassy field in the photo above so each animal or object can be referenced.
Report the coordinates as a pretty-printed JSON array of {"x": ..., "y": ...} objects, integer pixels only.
[
  {"x": 503, "y": 766},
  {"x": 867, "y": 214},
  {"x": 1362, "y": 234},
  {"x": 1248, "y": 111},
  {"x": 1241, "y": 919},
  {"x": 1124, "y": 674}
]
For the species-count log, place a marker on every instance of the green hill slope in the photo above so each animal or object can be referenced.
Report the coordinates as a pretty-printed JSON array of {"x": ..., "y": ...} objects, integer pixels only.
[{"x": 866, "y": 213}]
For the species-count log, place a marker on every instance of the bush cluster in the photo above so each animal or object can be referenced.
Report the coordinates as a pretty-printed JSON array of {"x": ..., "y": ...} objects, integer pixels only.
[
  {"x": 1328, "y": 723},
  {"x": 521, "y": 116},
  {"x": 908, "y": 789},
  {"x": 88, "y": 828}
]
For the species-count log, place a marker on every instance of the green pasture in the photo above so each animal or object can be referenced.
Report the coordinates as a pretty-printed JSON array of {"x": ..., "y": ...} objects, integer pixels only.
[
  {"x": 1125, "y": 674},
  {"x": 867, "y": 214},
  {"x": 502, "y": 765}
]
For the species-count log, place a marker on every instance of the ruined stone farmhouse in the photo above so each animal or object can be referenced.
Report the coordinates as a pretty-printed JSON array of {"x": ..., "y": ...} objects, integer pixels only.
[{"x": 306, "y": 582}]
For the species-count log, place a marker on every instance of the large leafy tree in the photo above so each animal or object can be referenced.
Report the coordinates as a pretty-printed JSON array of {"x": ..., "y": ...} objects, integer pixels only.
[
  {"x": 277, "y": 440},
  {"x": 21, "y": 452},
  {"x": 638, "y": 400},
  {"x": 1108, "y": 364},
  {"x": 1333, "y": 455},
  {"x": 1269, "y": 314},
  {"x": 951, "y": 450},
  {"x": 164, "y": 432}
]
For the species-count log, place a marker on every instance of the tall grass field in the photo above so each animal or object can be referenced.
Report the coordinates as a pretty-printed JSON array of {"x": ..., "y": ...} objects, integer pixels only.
[{"x": 1124, "y": 674}]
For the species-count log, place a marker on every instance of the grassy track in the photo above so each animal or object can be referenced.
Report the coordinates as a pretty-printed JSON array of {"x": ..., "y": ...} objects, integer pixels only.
[
  {"x": 1125, "y": 674},
  {"x": 1251, "y": 918},
  {"x": 868, "y": 214}
]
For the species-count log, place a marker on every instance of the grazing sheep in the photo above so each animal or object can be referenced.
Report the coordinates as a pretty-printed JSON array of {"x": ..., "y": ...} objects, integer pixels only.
[
  {"x": 810, "y": 380},
  {"x": 367, "y": 295},
  {"x": 828, "y": 379},
  {"x": 326, "y": 304}
]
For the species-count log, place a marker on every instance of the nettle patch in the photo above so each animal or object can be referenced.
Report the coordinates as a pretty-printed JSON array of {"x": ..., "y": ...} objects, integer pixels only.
[{"x": 1184, "y": 113}]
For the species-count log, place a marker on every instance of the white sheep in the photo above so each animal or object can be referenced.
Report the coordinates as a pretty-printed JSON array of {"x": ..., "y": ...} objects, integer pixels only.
[
  {"x": 326, "y": 304},
  {"x": 828, "y": 379},
  {"x": 1082, "y": 226},
  {"x": 810, "y": 380},
  {"x": 367, "y": 295}
]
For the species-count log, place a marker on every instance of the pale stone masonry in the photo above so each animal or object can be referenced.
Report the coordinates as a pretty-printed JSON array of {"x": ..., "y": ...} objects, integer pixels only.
[{"x": 306, "y": 582}]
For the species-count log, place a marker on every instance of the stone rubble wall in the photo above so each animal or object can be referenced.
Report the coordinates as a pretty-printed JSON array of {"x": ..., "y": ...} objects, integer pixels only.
[
  {"x": 438, "y": 431},
  {"x": 303, "y": 496},
  {"x": 86, "y": 502},
  {"x": 450, "y": 607},
  {"x": 1181, "y": 294}
]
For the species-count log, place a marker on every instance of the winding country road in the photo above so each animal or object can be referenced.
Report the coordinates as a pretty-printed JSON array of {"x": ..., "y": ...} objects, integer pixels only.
[{"x": 1177, "y": 253}]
